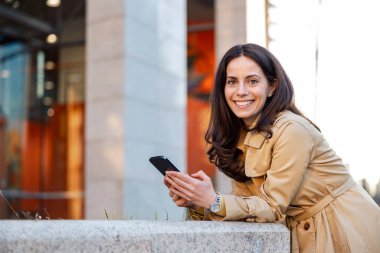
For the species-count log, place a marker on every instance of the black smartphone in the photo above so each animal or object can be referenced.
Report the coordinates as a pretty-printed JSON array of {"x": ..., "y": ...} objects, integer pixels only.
[{"x": 162, "y": 164}]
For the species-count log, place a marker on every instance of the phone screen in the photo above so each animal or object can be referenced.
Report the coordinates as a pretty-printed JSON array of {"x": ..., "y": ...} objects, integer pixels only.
[{"x": 162, "y": 164}]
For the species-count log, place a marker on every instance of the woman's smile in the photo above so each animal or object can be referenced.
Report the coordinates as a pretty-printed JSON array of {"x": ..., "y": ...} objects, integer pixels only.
[{"x": 244, "y": 104}]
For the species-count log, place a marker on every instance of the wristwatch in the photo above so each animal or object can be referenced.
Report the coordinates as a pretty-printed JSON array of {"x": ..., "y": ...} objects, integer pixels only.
[{"x": 217, "y": 204}]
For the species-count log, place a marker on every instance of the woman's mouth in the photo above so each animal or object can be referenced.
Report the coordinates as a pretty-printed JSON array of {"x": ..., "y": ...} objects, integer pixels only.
[{"x": 244, "y": 104}]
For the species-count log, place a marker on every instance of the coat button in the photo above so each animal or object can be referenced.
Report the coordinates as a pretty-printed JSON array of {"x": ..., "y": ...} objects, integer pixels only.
[{"x": 306, "y": 226}]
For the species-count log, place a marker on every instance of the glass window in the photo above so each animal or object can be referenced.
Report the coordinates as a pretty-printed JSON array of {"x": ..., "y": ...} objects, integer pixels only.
[{"x": 42, "y": 66}]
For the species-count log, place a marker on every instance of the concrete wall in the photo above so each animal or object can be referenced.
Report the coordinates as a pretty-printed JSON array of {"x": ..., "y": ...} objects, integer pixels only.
[
  {"x": 142, "y": 236},
  {"x": 135, "y": 105}
]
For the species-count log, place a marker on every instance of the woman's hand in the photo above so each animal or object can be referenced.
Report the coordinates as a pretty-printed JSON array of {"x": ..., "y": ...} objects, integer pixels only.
[
  {"x": 196, "y": 189},
  {"x": 181, "y": 202}
]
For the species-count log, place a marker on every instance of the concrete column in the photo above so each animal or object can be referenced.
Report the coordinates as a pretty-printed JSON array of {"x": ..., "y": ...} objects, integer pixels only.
[
  {"x": 230, "y": 25},
  {"x": 155, "y": 90},
  {"x": 135, "y": 105},
  {"x": 105, "y": 109}
]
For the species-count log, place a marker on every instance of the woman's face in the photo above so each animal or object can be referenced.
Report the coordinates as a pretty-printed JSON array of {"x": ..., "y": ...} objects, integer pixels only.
[{"x": 246, "y": 88}]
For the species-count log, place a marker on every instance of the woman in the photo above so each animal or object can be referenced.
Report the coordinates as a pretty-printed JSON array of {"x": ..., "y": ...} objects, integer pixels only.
[{"x": 281, "y": 166}]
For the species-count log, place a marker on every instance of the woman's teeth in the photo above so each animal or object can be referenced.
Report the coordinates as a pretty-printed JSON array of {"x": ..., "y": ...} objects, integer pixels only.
[{"x": 243, "y": 103}]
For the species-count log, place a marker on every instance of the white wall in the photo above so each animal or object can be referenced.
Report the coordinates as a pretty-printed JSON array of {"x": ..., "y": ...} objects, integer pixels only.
[
  {"x": 348, "y": 87},
  {"x": 341, "y": 94}
]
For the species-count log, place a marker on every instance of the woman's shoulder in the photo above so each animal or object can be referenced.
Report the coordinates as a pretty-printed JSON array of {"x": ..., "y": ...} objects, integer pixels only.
[
  {"x": 289, "y": 116},
  {"x": 299, "y": 125}
]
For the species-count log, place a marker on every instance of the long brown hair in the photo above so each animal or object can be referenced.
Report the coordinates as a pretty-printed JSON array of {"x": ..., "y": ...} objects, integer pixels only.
[{"x": 224, "y": 128}]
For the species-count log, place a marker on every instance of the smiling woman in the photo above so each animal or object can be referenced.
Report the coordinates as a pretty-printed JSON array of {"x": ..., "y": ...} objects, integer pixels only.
[
  {"x": 246, "y": 89},
  {"x": 281, "y": 166}
]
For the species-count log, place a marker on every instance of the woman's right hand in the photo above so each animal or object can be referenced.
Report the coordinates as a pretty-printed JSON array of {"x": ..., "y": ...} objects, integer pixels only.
[{"x": 181, "y": 202}]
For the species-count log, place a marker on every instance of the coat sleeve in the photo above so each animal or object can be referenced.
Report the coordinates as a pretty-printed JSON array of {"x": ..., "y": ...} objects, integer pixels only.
[
  {"x": 238, "y": 188},
  {"x": 197, "y": 214},
  {"x": 289, "y": 160}
]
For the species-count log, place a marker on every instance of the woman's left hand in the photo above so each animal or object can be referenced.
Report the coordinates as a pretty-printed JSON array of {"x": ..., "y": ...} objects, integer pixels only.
[{"x": 197, "y": 188}]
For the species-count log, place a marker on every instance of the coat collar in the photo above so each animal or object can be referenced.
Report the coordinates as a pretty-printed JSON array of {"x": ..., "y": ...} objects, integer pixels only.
[
  {"x": 252, "y": 138},
  {"x": 241, "y": 142},
  {"x": 256, "y": 139}
]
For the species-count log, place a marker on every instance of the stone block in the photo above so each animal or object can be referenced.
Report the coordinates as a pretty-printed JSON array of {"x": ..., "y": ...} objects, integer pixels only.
[
  {"x": 141, "y": 201},
  {"x": 106, "y": 39},
  {"x": 168, "y": 123},
  {"x": 146, "y": 15},
  {"x": 151, "y": 47},
  {"x": 105, "y": 79},
  {"x": 105, "y": 119},
  {"x": 170, "y": 22},
  {"x": 138, "y": 152},
  {"x": 142, "y": 236},
  {"x": 98, "y": 10},
  {"x": 153, "y": 86},
  {"x": 142, "y": 42},
  {"x": 172, "y": 57},
  {"x": 105, "y": 159},
  {"x": 105, "y": 195}
]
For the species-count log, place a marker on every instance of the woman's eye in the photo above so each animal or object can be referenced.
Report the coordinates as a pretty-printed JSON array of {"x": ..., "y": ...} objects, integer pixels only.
[
  {"x": 253, "y": 81},
  {"x": 231, "y": 82}
]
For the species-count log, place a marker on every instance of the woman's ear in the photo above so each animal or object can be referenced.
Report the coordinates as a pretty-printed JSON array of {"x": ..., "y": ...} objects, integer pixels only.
[{"x": 272, "y": 88}]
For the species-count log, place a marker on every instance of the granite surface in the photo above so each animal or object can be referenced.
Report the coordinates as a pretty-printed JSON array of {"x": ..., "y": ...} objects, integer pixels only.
[{"x": 141, "y": 236}]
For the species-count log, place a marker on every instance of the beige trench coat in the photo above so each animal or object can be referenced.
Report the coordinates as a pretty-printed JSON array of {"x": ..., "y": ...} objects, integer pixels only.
[{"x": 298, "y": 179}]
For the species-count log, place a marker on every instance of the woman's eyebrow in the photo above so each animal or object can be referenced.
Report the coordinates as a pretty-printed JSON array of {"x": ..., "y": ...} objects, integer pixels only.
[
  {"x": 249, "y": 76},
  {"x": 253, "y": 75}
]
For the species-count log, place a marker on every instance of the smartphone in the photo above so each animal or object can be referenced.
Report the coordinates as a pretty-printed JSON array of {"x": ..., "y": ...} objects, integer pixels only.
[{"x": 162, "y": 164}]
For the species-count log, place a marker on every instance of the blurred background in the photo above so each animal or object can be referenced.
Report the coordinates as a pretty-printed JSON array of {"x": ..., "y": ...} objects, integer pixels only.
[{"x": 89, "y": 90}]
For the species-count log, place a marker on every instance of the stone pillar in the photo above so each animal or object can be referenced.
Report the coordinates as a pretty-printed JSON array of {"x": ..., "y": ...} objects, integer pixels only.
[
  {"x": 230, "y": 28},
  {"x": 105, "y": 109},
  {"x": 135, "y": 105},
  {"x": 156, "y": 87}
]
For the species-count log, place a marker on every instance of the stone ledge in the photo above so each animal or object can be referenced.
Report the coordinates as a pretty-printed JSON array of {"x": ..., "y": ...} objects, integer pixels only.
[{"x": 141, "y": 236}]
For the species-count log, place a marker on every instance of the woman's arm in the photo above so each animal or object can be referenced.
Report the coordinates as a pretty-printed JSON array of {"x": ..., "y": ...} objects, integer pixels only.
[
  {"x": 288, "y": 160},
  {"x": 288, "y": 163},
  {"x": 200, "y": 213}
]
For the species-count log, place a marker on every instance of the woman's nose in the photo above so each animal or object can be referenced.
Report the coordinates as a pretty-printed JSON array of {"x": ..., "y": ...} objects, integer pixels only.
[{"x": 242, "y": 89}]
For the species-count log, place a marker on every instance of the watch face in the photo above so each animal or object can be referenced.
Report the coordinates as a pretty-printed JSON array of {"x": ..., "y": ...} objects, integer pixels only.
[{"x": 215, "y": 207}]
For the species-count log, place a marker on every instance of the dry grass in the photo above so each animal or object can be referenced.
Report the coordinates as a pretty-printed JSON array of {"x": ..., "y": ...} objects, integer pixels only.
[{"x": 21, "y": 215}]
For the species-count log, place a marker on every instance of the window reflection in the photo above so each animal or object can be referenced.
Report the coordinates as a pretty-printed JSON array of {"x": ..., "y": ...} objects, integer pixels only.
[{"x": 42, "y": 108}]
